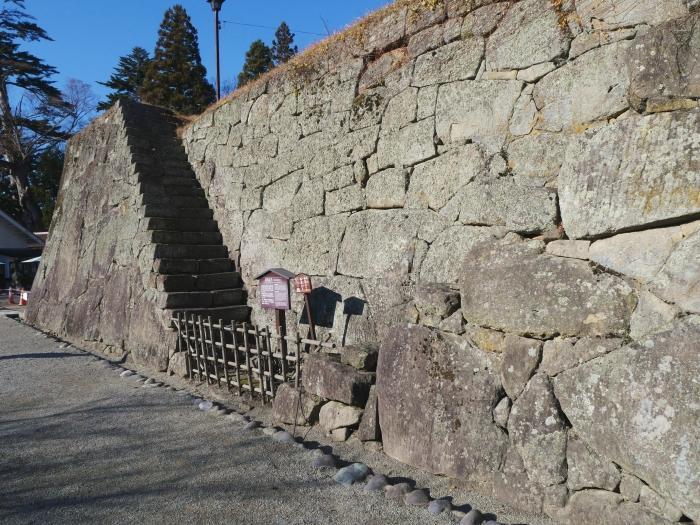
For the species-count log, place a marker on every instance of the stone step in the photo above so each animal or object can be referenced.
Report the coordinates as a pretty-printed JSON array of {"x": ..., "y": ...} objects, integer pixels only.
[
  {"x": 202, "y": 282},
  {"x": 154, "y": 188},
  {"x": 179, "y": 225},
  {"x": 183, "y": 237},
  {"x": 185, "y": 180},
  {"x": 173, "y": 212},
  {"x": 206, "y": 299},
  {"x": 189, "y": 251},
  {"x": 177, "y": 201},
  {"x": 168, "y": 266},
  {"x": 226, "y": 313}
]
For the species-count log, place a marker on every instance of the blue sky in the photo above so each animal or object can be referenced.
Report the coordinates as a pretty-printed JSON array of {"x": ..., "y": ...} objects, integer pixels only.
[{"x": 90, "y": 35}]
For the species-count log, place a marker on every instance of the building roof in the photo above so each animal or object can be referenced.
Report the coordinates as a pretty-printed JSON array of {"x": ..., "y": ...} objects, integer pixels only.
[{"x": 16, "y": 240}]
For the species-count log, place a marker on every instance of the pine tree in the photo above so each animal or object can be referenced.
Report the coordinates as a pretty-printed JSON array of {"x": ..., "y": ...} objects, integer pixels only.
[
  {"x": 258, "y": 60},
  {"x": 37, "y": 122},
  {"x": 127, "y": 79},
  {"x": 282, "y": 46},
  {"x": 175, "y": 77}
]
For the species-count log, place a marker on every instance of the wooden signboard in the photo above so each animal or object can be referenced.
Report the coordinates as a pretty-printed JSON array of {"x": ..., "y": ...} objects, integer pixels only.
[{"x": 274, "y": 292}]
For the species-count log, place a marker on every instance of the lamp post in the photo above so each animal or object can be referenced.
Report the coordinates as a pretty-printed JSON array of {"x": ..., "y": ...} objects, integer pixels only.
[{"x": 216, "y": 7}]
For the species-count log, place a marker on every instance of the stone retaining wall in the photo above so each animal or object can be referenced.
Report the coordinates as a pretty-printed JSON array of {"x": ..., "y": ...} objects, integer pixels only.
[{"x": 522, "y": 179}]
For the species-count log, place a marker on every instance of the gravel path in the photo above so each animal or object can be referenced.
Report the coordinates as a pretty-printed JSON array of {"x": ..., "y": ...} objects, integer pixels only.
[{"x": 79, "y": 444}]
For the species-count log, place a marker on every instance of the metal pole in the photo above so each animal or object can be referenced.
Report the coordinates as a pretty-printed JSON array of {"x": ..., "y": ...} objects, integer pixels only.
[{"x": 218, "y": 66}]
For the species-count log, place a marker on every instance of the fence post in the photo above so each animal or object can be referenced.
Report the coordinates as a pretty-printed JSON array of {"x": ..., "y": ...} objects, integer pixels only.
[
  {"x": 246, "y": 346},
  {"x": 298, "y": 363},
  {"x": 202, "y": 346},
  {"x": 224, "y": 353},
  {"x": 235, "y": 358},
  {"x": 261, "y": 372}
]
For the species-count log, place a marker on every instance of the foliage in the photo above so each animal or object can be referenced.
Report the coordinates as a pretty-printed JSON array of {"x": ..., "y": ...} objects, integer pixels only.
[
  {"x": 127, "y": 79},
  {"x": 282, "y": 46},
  {"x": 175, "y": 78},
  {"x": 258, "y": 60},
  {"x": 39, "y": 117}
]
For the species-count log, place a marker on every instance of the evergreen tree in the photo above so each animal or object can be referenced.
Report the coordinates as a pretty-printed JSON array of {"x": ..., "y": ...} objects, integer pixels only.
[
  {"x": 127, "y": 79},
  {"x": 282, "y": 46},
  {"x": 175, "y": 77},
  {"x": 40, "y": 120},
  {"x": 258, "y": 60}
]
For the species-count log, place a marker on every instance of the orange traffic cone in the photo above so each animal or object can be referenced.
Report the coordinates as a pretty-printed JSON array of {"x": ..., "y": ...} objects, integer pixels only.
[{"x": 23, "y": 297}]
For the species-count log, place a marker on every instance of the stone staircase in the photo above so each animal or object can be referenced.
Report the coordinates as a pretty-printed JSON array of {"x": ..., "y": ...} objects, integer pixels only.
[{"x": 191, "y": 267}]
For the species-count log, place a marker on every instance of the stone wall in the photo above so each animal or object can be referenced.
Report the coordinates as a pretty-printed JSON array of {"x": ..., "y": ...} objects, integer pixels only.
[
  {"x": 522, "y": 179},
  {"x": 92, "y": 286}
]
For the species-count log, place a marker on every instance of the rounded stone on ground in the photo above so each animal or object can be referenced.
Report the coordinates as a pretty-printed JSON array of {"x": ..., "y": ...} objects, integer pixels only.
[
  {"x": 205, "y": 406},
  {"x": 126, "y": 373},
  {"x": 376, "y": 483},
  {"x": 270, "y": 431},
  {"x": 216, "y": 412},
  {"x": 352, "y": 474},
  {"x": 150, "y": 381},
  {"x": 197, "y": 400},
  {"x": 417, "y": 497},
  {"x": 324, "y": 461},
  {"x": 317, "y": 452},
  {"x": 252, "y": 425},
  {"x": 283, "y": 437},
  {"x": 473, "y": 517},
  {"x": 236, "y": 418},
  {"x": 439, "y": 506},
  {"x": 398, "y": 491}
]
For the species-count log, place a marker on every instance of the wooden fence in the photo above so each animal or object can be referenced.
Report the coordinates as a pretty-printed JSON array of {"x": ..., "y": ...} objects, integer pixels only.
[{"x": 241, "y": 356}]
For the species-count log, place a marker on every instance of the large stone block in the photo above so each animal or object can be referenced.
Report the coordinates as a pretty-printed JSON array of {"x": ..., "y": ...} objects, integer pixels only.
[
  {"x": 649, "y": 391},
  {"x": 587, "y": 469},
  {"x": 539, "y": 432},
  {"x": 294, "y": 407},
  {"x": 512, "y": 286},
  {"x": 502, "y": 202},
  {"x": 450, "y": 247},
  {"x": 590, "y": 88},
  {"x": 329, "y": 379},
  {"x": 436, "y": 393},
  {"x": 640, "y": 254},
  {"x": 435, "y": 182},
  {"x": 678, "y": 281},
  {"x": 633, "y": 173},
  {"x": 547, "y": 148},
  {"x": 382, "y": 242},
  {"x": 528, "y": 34},
  {"x": 407, "y": 146},
  {"x": 456, "y": 61},
  {"x": 601, "y": 506},
  {"x": 665, "y": 61},
  {"x": 335, "y": 415},
  {"x": 520, "y": 360},
  {"x": 624, "y": 13},
  {"x": 477, "y": 111}
]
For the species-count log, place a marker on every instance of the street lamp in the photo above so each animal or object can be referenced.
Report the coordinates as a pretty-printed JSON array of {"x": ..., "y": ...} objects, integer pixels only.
[{"x": 216, "y": 7}]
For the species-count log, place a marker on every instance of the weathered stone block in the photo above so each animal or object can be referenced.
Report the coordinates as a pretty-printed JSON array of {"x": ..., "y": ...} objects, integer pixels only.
[
  {"x": 601, "y": 506},
  {"x": 520, "y": 360},
  {"x": 665, "y": 62},
  {"x": 293, "y": 407},
  {"x": 435, "y": 182},
  {"x": 592, "y": 87},
  {"x": 350, "y": 198},
  {"x": 650, "y": 390},
  {"x": 549, "y": 150},
  {"x": 561, "y": 354},
  {"x": 625, "y": 13},
  {"x": 587, "y": 469},
  {"x": 640, "y": 254},
  {"x": 456, "y": 61},
  {"x": 337, "y": 415},
  {"x": 529, "y": 33},
  {"x": 453, "y": 244},
  {"x": 477, "y": 111},
  {"x": 407, "y": 146},
  {"x": 330, "y": 379},
  {"x": 635, "y": 172},
  {"x": 570, "y": 299},
  {"x": 386, "y": 189},
  {"x": 570, "y": 249},
  {"x": 360, "y": 357},
  {"x": 502, "y": 202},
  {"x": 444, "y": 425},
  {"x": 539, "y": 432},
  {"x": 435, "y": 302},
  {"x": 678, "y": 279},
  {"x": 651, "y": 316},
  {"x": 369, "y": 426}
]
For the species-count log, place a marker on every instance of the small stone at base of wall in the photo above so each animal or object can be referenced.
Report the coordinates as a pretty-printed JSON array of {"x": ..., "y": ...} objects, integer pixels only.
[{"x": 329, "y": 379}]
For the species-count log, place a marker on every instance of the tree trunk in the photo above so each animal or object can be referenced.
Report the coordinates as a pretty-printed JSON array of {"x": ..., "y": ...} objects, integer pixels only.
[{"x": 31, "y": 213}]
